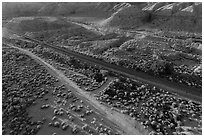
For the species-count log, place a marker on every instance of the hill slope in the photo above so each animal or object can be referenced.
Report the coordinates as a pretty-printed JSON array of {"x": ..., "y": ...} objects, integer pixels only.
[
  {"x": 177, "y": 16},
  {"x": 165, "y": 16}
]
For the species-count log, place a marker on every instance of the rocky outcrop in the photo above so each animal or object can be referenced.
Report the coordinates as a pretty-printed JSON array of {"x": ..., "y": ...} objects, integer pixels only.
[
  {"x": 177, "y": 16},
  {"x": 151, "y": 7},
  {"x": 181, "y": 16},
  {"x": 126, "y": 16}
]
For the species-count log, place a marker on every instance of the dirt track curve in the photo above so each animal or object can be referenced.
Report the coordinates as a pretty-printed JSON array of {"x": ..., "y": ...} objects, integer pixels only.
[
  {"x": 182, "y": 90},
  {"x": 124, "y": 122}
]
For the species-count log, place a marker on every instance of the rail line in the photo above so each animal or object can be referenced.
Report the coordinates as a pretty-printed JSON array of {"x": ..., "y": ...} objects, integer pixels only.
[{"x": 180, "y": 89}]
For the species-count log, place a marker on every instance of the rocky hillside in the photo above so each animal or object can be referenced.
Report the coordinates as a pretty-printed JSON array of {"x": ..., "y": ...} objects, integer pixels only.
[
  {"x": 13, "y": 9},
  {"x": 181, "y": 16},
  {"x": 177, "y": 16},
  {"x": 57, "y": 9},
  {"x": 126, "y": 15},
  {"x": 165, "y": 16}
]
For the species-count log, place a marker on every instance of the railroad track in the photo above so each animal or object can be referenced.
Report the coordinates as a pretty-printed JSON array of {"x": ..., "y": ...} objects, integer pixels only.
[{"x": 178, "y": 88}]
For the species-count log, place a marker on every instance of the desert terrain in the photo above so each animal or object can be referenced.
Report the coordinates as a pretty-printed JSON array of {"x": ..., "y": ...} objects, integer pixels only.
[{"x": 103, "y": 68}]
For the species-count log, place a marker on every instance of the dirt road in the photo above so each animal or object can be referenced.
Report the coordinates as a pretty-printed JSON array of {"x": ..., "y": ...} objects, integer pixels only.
[
  {"x": 88, "y": 27},
  {"x": 124, "y": 122},
  {"x": 182, "y": 90}
]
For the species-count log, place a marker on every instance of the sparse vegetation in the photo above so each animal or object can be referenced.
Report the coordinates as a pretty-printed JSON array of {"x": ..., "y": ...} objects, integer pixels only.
[{"x": 102, "y": 68}]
